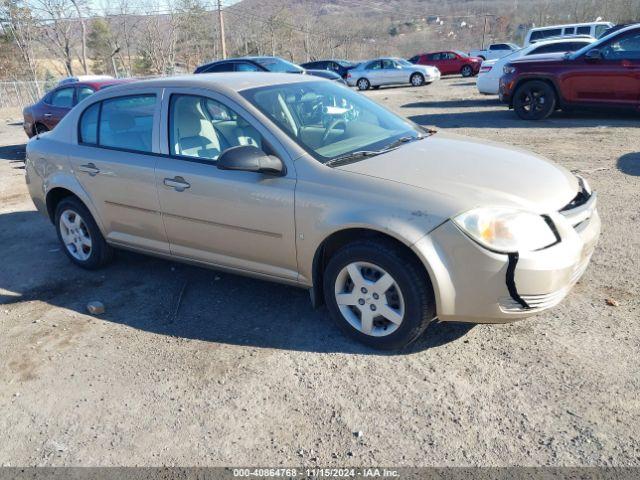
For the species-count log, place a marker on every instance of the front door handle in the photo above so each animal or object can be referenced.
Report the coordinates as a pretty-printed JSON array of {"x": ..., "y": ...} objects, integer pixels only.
[
  {"x": 177, "y": 183},
  {"x": 47, "y": 115},
  {"x": 89, "y": 168}
]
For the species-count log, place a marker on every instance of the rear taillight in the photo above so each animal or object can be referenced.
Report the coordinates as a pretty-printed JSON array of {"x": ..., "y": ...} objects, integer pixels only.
[{"x": 485, "y": 69}]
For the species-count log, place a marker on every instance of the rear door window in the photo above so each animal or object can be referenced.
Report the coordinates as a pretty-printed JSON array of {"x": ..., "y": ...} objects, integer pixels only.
[
  {"x": 127, "y": 123},
  {"x": 584, "y": 31},
  {"x": 220, "y": 67}
]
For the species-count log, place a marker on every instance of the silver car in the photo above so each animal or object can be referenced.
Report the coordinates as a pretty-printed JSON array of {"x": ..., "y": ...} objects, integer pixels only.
[
  {"x": 390, "y": 71},
  {"x": 299, "y": 180}
]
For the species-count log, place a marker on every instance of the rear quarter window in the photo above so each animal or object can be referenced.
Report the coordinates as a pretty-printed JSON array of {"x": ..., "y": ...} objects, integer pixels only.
[{"x": 88, "y": 125}]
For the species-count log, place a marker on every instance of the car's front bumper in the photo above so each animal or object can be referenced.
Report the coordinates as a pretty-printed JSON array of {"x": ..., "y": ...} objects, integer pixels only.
[
  {"x": 473, "y": 284},
  {"x": 505, "y": 88},
  {"x": 487, "y": 84}
]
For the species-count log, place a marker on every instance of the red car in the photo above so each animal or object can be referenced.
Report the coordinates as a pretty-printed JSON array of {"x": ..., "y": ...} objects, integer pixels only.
[
  {"x": 450, "y": 63},
  {"x": 605, "y": 73},
  {"x": 50, "y": 109}
]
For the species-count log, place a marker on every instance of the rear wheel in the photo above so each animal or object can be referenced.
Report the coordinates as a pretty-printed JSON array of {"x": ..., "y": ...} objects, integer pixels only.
[
  {"x": 378, "y": 294},
  {"x": 363, "y": 84},
  {"x": 417, "y": 79},
  {"x": 80, "y": 236},
  {"x": 534, "y": 100},
  {"x": 466, "y": 71}
]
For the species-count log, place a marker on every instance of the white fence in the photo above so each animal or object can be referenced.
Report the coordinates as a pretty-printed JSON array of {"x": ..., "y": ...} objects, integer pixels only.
[{"x": 19, "y": 94}]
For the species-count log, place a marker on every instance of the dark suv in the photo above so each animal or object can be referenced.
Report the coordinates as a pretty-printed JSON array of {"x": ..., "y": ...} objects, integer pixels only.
[{"x": 605, "y": 73}]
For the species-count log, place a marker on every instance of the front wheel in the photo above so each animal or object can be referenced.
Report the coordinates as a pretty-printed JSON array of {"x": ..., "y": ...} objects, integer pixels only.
[
  {"x": 80, "y": 236},
  {"x": 363, "y": 84},
  {"x": 534, "y": 100},
  {"x": 417, "y": 79},
  {"x": 378, "y": 294},
  {"x": 466, "y": 71}
]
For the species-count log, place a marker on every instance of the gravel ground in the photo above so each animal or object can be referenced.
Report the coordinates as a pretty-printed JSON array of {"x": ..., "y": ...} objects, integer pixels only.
[{"x": 244, "y": 372}]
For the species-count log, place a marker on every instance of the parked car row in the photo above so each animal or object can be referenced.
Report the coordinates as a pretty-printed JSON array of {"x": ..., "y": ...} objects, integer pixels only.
[
  {"x": 603, "y": 73},
  {"x": 568, "y": 72},
  {"x": 491, "y": 70}
]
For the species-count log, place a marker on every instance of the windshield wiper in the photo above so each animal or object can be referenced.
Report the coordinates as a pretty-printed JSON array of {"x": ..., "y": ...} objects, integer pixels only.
[
  {"x": 402, "y": 140},
  {"x": 360, "y": 154},
  {"x": 352, "y": 157}
]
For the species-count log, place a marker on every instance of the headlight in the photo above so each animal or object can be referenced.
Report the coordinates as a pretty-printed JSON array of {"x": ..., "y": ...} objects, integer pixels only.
[
  {"x": 509, "y": 69},
  {"x": 506, "y": 230}
]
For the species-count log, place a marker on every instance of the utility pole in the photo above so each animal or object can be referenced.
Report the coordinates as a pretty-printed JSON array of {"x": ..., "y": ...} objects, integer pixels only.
[
  {"x": 223, "y": 45},
  {"x": 484, "y": 31}
]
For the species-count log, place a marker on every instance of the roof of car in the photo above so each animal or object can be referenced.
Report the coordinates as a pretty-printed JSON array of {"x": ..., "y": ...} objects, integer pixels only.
[
  {"x": 234, "y": 81},
  {"x": 103, "y": 83}
]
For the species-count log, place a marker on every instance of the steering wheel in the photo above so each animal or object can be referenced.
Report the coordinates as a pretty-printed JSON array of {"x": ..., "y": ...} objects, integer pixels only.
[{"x": 331, "y": 126}]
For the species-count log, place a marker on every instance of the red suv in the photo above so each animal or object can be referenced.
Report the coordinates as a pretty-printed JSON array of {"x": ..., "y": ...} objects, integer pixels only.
[
  {"x": 604, "y": 73},
  {"x": 49, "y": 110},
  {"x": 450, "y": 63}
]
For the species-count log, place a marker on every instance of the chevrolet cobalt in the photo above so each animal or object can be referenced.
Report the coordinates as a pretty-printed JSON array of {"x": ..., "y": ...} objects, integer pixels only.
[{"x": 298, "y": 180}]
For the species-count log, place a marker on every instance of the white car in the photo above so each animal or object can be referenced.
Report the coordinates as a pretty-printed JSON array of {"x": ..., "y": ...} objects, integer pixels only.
[
  {"x": 390, "y": 71},
  {"x": 495, "y": 50},
  {"x": 491, "y": 70}
]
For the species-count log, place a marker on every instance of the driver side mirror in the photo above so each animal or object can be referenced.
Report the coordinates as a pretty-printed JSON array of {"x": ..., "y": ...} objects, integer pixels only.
[
  {"x": 593, "y": 55},
  {"x": 248, "y": 158}
]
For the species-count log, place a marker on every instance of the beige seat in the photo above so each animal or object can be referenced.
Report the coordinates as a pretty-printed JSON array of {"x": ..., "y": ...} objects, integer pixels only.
[{"x": 193, "y": 134}]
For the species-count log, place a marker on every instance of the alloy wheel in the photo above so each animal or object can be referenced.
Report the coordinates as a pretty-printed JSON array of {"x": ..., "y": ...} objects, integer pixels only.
[
  {"x": 369, "y": 299},
  {"x": 75, "y": 235},
  {"x": 532, "y": 101}
]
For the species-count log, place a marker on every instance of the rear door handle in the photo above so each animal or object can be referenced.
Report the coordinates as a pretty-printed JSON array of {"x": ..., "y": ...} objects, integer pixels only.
[
  {"x": 89, "y": 168},
  {"x": 47, "y": 115},
  {"x": 177, "y": 183}
]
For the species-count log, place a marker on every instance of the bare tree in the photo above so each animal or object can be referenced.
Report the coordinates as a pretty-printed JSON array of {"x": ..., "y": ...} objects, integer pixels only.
[
  {"x": 57, "y": 29},
  {"x": 80, "y": 5},
  {"x": 18, "y": 22}
]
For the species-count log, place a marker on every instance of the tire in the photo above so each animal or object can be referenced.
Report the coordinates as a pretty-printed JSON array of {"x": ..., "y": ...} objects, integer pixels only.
[
  {"x": 534, "y": 100},
  {"x": 466, "y": 71},
  {"x": 363, "y": 84},
  {"x": 409, "y": 299},
  {"x": 74, "y": 225},
  {"x": 417, "y": 79}
]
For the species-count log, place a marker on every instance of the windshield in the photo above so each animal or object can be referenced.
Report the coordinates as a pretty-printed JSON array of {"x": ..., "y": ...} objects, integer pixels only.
[
  {"x": 329, "y": 120},
  {"x": 274, "y": 64},
  {"x": 403, "y": 62},
  {"x": 589, "y": 46}
]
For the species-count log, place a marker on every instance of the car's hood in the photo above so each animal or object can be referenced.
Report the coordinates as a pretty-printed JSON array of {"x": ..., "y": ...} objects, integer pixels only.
[
  {"x": 540, "y": 57},
  {"x": 474, "y": 173}
]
